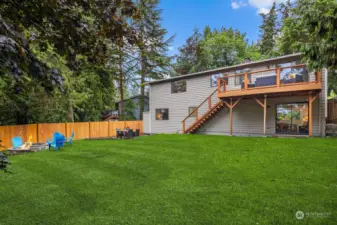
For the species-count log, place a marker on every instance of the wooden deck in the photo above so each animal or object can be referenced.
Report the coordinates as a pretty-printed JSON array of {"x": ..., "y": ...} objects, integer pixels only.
[{"x": 274, "y": 88}]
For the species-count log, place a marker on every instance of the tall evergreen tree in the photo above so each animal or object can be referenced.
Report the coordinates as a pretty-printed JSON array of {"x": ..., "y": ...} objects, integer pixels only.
[
  {"x": 268, "y": 31},
  {"x": 311, "y": 29},
  {"x": 152, "y": 46}
]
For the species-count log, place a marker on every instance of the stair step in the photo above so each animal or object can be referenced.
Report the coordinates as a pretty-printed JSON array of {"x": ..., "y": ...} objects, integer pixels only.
[{"x": 206, "y": 117}]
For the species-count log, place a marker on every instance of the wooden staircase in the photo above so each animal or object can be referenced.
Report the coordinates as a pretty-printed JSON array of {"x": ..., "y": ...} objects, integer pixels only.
[
  {"x": 202, "y": 119},
  {"x": 206, "y": 117}
]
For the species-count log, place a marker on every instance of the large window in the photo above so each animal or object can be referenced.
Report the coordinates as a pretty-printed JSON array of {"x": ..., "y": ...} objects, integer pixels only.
[
  {"x": 178, "y": 86},
  {"x": 190, "y": 110},
  {"x": 162, "y": 114},
  {"x": 292, "y": 118}
]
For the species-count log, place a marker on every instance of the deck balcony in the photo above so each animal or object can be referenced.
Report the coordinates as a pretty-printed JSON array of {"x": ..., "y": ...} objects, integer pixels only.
[{"x": 278, "y": 81}]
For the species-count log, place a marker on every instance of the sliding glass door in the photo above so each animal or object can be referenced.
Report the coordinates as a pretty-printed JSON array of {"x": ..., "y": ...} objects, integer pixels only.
[{"x": 292, "y": 118}]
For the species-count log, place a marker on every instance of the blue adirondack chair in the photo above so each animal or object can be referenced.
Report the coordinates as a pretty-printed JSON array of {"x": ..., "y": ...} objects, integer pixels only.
[
  {"x": 70, "y": 139},
  {"x": 17, "y": 142},
  {"x": 57, "y": 141}
]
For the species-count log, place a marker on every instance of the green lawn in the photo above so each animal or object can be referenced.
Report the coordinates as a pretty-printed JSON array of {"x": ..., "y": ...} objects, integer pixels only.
[{"x": 173, "y": 179}]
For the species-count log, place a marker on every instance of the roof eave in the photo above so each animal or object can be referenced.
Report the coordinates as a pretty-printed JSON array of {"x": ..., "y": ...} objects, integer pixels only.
[{"x": 224, "y": 68}]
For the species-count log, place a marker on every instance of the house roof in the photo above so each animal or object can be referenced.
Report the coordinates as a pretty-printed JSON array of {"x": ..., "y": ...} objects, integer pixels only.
[{"x": 228, "y": 68}]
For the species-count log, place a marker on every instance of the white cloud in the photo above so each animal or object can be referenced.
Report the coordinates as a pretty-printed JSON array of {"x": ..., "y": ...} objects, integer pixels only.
[
  {"x": 263, "y": 6},
  {"x": 239, "y": 4},
  {"x": 263, "y": 10},
  {"x": 171, "y": 48},
  {"x": 235, "y": 5},
  {"x": 261, "y": 3}
]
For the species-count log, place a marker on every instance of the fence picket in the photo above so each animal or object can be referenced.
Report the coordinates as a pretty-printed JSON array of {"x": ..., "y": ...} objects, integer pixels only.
[{"x": 83, "y": 130}]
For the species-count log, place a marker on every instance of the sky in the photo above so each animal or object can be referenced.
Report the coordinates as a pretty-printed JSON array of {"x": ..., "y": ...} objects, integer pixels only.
[{"x": 180, "y": 17}]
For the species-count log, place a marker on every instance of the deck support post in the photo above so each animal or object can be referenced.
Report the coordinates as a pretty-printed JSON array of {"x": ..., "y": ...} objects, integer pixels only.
[
  {"x": 311, "y": 100},
  {"x": 231, "y": 105},
  {"x": 264, "y": 106},
  {"x": 310, "y": 114},
  {"x": 231, "y": 118},
  {"x": 265, "y": 116}
]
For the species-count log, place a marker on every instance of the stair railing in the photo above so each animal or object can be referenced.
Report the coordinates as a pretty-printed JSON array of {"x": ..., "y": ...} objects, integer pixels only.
[{"x": 203, "y": 108}]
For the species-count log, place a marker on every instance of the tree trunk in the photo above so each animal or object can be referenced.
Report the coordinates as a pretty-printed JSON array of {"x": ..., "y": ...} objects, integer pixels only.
[
  {"x": 142, "y": 86},
  {"x": 121, "y": 84},
  {"x": 70, "y": 112}
]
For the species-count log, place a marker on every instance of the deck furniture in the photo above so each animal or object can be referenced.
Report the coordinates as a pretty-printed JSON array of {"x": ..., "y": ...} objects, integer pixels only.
[
  {"x": 298, "y": 79},
  {"x": 57, "y": 141},
  {"x": 119, "y": 133},
  {"x": 265, "y": 81},
  {"x": 130, "y": 134}
]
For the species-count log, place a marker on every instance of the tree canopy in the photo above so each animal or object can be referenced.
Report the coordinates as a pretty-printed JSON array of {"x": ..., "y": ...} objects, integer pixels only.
[{"x": 214, "y": 49}]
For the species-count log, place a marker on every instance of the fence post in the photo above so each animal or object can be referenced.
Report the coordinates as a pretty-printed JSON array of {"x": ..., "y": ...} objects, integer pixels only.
[
  {"x": 89, "y": 130},
  {"x": 109, "y": 128},
  {"x": 37, "y": 133},
  {"x": 66, "y": 126}
]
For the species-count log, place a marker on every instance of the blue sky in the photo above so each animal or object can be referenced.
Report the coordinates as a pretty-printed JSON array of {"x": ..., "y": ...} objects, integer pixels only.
[{"x": 180, "y": 17}]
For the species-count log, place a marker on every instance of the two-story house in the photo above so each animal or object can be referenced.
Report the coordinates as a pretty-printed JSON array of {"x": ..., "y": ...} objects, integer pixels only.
[{"x": 277, "y": 96}]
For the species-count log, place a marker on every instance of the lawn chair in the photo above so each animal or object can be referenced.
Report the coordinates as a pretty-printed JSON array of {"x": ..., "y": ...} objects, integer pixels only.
[
  {"x": 69, "y": 140},
  {"x": 119, "y": 133},
  {"x": 17, "y": 142},
  {"x": 130, "y": 134},
  {"x": 57, "y": 141}
]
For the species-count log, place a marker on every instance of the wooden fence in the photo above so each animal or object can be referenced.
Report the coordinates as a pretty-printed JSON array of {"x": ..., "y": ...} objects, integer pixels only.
[
  {"x": 40, "y": 132},
  {"x": 332, "y": 110}
]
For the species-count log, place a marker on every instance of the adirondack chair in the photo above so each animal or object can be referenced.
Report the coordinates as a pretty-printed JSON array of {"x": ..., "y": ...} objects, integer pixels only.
[
  {"x": 17, "y": 142},
  {"x": 70, "y": 139},
  {"x": 57, "y": 142}
]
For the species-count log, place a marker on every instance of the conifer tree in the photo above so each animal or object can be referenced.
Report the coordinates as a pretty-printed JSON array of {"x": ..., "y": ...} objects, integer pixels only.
[
  {"x": 152, "y": 46},
  {"x": 268, "y": 31}
]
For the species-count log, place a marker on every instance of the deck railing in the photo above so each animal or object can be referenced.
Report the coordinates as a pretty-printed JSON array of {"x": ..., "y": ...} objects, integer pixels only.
[
  {"x": 278, "y": 77},
  {"x": 201, "y": 110}
]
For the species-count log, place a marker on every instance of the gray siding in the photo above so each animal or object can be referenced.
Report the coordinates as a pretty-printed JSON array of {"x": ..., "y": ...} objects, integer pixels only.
[
  {"x": 198, "y": 89},
  {"x": 146, "y": 122},
  {"x": 248, "y": 117}
]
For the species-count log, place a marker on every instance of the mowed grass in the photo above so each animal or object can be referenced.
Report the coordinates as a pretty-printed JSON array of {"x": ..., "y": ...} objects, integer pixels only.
[{"x": 174, "y": 179}]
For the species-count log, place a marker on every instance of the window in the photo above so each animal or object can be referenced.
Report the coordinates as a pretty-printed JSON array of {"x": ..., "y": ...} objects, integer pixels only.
[
  {"x": 162, "y": 114},
  {"x": 214, "y": 79},
  {"x": 239, "y": 80},
  {"x": 178, "y": 86},
  {"x": 190, "y": 110},
  {"x": 292, "y": 118}
]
